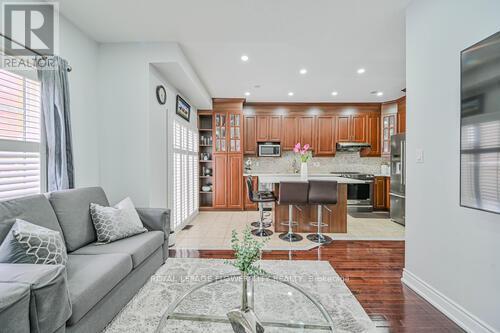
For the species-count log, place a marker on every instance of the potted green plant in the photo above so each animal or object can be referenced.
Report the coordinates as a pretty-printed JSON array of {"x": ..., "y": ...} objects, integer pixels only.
[{"x": 247, "y": 251}]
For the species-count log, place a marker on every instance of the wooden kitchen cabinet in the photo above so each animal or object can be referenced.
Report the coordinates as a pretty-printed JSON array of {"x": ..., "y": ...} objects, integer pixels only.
[
  {"x": 268, "y": 128},
  {"x": 373, "y": 136},
  {"x": 220, "y": 181},
  {"x": 402, "y": 115},
  {"x": 250, "y": 135},
  {"x": 359, "y": 129},
  {"x": 228, "y": 182},
  {"x": 289, "y": 135},
  {"x": 229, "y": 143},
  {"x": 306, "y": 131},
  {"x": 275, "y": 128},
  {"x": 235, "y": 181},
  {"x": 326, "y": 139},
  {"x": 249, "y": 205},
  {"x": 343, "y": 128},
  {"x": 352, "y": 128},
  {"x": 262, "y": 128},
  {"x": 379, "y": 193}
]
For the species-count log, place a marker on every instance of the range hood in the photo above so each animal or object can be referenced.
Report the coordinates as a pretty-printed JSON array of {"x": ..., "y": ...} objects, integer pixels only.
[{"x": 352, "y": 146}]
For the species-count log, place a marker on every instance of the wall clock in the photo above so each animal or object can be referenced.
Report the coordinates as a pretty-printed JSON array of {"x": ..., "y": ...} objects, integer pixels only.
[{"x": 161, "y": 94}]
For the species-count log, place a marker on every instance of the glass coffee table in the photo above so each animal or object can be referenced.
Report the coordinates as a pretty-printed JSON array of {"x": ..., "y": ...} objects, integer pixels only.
[{"x": 280, "y": 305}]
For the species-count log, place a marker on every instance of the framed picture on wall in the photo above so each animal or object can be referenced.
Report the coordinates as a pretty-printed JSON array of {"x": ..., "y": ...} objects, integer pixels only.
[{"x": 182, "y": 108}]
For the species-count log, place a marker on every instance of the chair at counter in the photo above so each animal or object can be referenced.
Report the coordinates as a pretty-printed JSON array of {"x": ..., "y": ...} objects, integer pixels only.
[
  {"x": 260, "y": 197},
  {"x": 321, "y": 193}
]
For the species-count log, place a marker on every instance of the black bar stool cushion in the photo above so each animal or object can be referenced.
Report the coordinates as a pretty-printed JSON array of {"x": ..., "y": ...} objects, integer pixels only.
[
  {"x": 258, "y": 196},
  {"x": 293, "y": 193},
  {"x": 322, "y": 192}
]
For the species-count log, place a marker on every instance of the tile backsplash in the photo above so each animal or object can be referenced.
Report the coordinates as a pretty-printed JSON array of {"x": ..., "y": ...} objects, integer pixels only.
[{"x": 343, "y": 161}]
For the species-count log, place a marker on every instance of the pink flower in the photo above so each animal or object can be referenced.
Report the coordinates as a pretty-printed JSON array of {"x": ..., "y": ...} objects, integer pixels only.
[
  {"x": 296, "y": 149},
  {"x": 306, "y": 147}
]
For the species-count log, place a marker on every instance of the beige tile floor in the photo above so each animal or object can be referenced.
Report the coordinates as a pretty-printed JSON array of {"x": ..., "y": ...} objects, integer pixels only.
[{"x": 212, "y": 230}]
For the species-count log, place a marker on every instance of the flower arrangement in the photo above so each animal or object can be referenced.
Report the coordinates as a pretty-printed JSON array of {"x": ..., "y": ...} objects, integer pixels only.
[
  {"x": 246, "y": 252},
  {"x": 303, "y": 152}
]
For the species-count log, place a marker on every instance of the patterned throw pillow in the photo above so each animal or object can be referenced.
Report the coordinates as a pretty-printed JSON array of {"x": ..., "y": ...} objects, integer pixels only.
[
  {"x": 113, "y": 223},
  {"x": 28, "y": 243}
]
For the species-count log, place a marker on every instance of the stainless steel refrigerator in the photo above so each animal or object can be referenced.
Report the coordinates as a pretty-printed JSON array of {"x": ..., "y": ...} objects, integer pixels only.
[{"x": 398, "y": 178}]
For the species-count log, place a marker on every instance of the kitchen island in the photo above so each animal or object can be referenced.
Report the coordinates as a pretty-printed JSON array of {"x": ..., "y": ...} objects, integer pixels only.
[{"x": 333, "y": 215}]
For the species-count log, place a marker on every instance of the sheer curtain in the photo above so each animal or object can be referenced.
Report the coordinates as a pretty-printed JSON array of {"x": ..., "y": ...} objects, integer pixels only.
[{"x": 57, "y": 125}]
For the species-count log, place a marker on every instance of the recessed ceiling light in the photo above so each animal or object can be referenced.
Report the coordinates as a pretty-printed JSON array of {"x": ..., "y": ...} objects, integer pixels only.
[
  {"x": 290, "y": 93},
  {"x": 335, "y": 93},
  {"x": 244, "y": 58},
  {"x": 361, "y": 70},
  {"x": 303, "y": 71},
  {"x": 247, "y": 94},
  {"x": 377, "y": 93}
]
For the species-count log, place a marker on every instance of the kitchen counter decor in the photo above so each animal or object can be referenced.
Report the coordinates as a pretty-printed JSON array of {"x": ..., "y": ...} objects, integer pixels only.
[{"x": 305, "y": 155}]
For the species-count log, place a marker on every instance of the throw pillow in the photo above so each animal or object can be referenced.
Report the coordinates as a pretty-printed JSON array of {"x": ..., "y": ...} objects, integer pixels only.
[
  {"x": 117, "y": 222},
  {"x": 28, "y": 243}
]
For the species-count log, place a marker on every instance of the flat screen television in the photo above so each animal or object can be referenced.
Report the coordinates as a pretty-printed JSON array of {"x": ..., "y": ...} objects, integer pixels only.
[{"x": 480, "y": 126}]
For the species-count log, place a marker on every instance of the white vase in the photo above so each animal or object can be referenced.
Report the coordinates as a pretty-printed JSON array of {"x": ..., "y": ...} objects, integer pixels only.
[{"x": 303, "y": 170}]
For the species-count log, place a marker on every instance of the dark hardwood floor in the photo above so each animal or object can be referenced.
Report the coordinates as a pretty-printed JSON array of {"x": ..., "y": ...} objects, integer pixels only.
[{"x": 372, "y": 270}]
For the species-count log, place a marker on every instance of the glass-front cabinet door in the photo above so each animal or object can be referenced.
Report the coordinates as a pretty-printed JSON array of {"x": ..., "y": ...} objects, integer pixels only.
[
  {"x": 220, "y": 132},
  {"x": 234, "y": 133},
  {"x": 388, "y": 129}
]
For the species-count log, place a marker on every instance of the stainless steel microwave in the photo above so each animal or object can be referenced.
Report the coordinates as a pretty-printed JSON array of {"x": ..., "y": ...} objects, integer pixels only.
[{"x": 269, "y": 149}]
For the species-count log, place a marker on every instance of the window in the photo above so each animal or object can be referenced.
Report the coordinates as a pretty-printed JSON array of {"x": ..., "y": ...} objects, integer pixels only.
[
  {"x": 185, "y": 174},
  {"x": 19, "y": 136}
]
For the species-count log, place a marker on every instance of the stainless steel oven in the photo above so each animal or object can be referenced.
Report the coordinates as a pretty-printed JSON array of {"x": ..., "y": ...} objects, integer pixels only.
[
  {"x": 269, "y": 149},
  {"x": 359, "y": 194}
]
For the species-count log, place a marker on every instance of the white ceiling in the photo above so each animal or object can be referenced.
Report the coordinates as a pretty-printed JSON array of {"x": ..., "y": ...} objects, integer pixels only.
[{"x": 331, "y": 38}]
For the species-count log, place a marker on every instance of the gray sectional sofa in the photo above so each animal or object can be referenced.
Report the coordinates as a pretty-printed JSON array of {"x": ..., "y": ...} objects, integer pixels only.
[{"x": 97, "y": 281}]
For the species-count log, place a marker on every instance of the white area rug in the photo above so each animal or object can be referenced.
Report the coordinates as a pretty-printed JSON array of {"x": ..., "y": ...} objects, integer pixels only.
[{"x": 178, "y": 275}]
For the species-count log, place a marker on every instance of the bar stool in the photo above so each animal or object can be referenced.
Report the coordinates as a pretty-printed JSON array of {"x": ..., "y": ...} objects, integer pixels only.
[
  {"x": 260, "y": 197},
  {"x": 292, "y": 193},
  {"x": 321, "y": 193}
]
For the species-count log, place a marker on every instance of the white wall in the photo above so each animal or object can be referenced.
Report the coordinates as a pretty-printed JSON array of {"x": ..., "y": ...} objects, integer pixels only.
[
  {"x": 161, "y": 119},
  {"x": 132, "y": 139},
  {"x": 452, "y": 253},
  {"x": 81, "y": 53}
]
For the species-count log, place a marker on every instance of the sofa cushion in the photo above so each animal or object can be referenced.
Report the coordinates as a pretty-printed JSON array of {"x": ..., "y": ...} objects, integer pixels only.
[
  {"x": 72, "y": 208},
  {"x": 138, "y": 247},
  {"x": 29, "y": 243},
  {"x": 91, "y": 277},
  {"x": 36, "y": 209}
]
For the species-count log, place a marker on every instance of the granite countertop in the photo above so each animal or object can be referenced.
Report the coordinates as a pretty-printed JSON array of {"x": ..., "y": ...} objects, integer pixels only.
[{"x": 273, "y": 178}]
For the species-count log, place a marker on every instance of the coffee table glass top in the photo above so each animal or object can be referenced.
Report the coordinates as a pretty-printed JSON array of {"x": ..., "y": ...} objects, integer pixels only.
[{"x": 280, "y": 304}]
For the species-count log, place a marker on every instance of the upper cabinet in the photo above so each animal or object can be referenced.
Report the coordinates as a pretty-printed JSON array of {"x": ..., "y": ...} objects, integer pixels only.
[
  {"x": 402, "y": 115},
  {"x": 250, "y": 139},
  {"x": 275, "y": 128},
  {"x": 228, "y": 132},
  {"x": 268, "y": 128},
  {"x": 306, "y": 131},
  {"x": 321, "y": 126},
  {"x": 393, "y": 122},
  {"x": 389, "y": 125},
  {"x": 326, "y": 142},
  {"x": 352, "y": 128},
  {"x": 289, "y": 133},
  {"x": 373, "y": 135}
]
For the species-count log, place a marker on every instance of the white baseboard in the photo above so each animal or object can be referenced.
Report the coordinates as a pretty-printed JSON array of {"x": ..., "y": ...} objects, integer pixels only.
[{"x": 449, "y": 308}]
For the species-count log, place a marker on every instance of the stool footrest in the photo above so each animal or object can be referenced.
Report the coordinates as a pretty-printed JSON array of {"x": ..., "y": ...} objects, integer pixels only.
[
  {"x": 285, "y": 223},
  {"x": 315, "y": 224}
]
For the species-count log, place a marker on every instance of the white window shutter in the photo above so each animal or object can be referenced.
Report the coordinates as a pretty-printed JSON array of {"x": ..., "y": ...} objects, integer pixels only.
[{"x": 20, "y": 116}]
